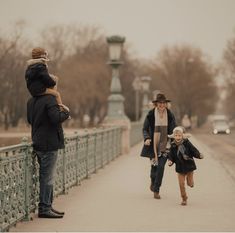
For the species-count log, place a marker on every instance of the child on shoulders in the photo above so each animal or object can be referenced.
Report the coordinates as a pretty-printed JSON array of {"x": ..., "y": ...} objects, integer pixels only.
[{"x": 38, "y": 80}]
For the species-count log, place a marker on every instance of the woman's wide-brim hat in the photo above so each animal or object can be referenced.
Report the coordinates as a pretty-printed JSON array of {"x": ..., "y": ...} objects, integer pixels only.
[{"x": 160, "y": 98}]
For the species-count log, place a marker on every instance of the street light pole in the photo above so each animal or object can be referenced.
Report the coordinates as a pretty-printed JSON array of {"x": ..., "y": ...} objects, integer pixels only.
[
  {"x": 137, "y": 105},
  {"x": 145, "y": 81},
  {"x": 116, "y": 115},
  {"x": 137, "y": 87}
]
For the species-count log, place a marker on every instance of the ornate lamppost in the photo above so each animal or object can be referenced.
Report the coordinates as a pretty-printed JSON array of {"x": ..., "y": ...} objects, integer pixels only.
[
  {"x": 137, "y": 88},
  {"x": 116, "y": 99},
  {"x": 145, "y": 81},
  {"x": 116, "y": 115}
]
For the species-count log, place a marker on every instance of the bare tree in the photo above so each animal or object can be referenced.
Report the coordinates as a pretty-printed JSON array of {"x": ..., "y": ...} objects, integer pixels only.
[
  {"x": 84, "y": 77},
  {"x": 57, "y": 40},
  {"x": 229, "y": 73},
  {"x": 12, "y": 89},
  {"x": 188, "y": 80}
]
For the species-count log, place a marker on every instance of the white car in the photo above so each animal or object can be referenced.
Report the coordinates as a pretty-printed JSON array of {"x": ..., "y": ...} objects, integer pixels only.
[{"x": 221, "y": 126}]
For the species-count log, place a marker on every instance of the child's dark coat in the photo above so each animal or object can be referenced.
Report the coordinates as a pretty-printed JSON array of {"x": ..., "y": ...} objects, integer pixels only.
[{"x": 182, "y": 155}]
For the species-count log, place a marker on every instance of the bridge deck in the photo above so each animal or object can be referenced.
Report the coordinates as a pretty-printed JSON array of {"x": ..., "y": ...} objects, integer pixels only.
[{"x": 118, "y": 198}]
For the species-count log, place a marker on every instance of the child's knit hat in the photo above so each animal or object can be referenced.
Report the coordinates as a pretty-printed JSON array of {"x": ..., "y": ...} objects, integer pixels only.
[
  {"x": 39, "y": 53},
  {"x": 179, "y": 129}
]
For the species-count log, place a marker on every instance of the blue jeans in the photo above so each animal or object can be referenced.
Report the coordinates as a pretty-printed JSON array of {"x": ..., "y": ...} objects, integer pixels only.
[
  {"x": 157, "y": 173},
  {"x": 47, "y": 165}
]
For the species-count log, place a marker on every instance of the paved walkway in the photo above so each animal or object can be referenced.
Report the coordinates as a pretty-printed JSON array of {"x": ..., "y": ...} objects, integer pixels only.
[{"x": 117, "y": 198}]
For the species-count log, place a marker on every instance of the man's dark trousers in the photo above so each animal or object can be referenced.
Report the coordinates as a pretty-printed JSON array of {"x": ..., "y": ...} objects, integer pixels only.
[
  {"x": 157, "y": 172},
  {"x": 47, "y": 162}
]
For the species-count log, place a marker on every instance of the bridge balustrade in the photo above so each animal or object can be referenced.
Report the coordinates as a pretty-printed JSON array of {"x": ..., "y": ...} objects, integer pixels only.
[{"x": 83, "y": 155}]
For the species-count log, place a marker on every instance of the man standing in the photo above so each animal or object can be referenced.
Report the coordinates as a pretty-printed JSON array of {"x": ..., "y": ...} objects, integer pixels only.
[
  {"x": 45, "y": 117},
  {"x": 158, "y": 124}
]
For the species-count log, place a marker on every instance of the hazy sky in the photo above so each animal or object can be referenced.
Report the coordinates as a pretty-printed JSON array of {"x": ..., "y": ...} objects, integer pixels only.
[{"x": 147, "y": 24}]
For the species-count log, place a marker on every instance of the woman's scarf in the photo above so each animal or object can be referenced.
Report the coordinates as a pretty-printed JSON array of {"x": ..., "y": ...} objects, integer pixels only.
[{"x": 160, "y": 132}]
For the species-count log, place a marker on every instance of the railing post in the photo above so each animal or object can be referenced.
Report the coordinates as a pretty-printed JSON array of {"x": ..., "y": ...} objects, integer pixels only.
[
  {"x": 108, "y": 145},
  {"x": 114, "y": 143},
  {"x": 95, "y": 144},
  {"x": 87, "y": 154},
  {"x": 102, "y": 147},
  {"x": 1, "y": 199},
  {"x": 78, "y": 182},
  {"x": 64, "y": 166},
  {"x": 25, "y": 142},
  {"x": 120, "y": 141}
]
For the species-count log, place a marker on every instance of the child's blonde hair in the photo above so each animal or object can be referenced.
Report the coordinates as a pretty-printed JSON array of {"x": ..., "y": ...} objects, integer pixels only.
[{"x": 180, "y": 129}]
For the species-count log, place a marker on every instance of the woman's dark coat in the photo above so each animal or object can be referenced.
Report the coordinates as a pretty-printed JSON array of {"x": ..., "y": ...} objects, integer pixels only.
[
  {"x": 184, "y": 162},
  {"x": 148, "y": 131}
]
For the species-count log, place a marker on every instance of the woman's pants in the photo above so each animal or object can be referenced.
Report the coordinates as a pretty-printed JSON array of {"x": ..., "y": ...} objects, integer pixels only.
[{"x": 157, "y": 173}]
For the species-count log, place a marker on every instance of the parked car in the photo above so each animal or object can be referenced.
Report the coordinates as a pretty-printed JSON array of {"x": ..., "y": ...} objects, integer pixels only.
[{"x": 221, "y": 126}]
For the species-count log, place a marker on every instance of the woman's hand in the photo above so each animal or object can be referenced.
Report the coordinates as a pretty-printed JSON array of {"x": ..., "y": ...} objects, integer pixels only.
[
  {"x": 147, "y": 142},
  {"x": 154, "y": 162}
]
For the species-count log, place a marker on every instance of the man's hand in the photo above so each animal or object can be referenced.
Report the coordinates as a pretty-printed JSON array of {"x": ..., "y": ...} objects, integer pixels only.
[{"x": 147, "y": 142}]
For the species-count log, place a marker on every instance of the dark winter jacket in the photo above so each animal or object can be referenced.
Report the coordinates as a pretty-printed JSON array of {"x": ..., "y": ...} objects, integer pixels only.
[
  {"x": 45, "y": 117},
  {"x": 148, "y": 131},
  {"x": 182, "y": 155},
  {"x": 37, "y": 77}
]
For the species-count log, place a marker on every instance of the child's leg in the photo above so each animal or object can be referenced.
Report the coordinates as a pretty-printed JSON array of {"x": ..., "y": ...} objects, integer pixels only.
[
  {"x": 190, "y": 181},
  {"x": 181, "y": 179},
  {"x": 55, "y": 93},
  {"x": 58, "y": 98}
]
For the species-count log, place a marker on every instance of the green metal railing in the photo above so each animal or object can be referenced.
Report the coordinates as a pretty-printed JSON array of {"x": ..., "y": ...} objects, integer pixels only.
[
  {"x": 83, "y": 155},
  {"x": 136, "y": 135}
]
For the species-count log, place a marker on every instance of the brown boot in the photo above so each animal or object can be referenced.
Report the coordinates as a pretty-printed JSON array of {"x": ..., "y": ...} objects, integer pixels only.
[
  {"x": 184, "y": 201},
  {"x": 156, "y": 195},
  {"x": 151, "y": 187}
]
